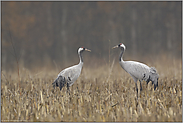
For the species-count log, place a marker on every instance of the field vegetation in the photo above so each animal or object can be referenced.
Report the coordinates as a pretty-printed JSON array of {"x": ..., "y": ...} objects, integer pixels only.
[{"x": 101, "y": 93}]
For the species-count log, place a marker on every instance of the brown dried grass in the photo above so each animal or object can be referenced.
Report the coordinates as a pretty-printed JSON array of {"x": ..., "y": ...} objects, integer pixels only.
[{"x": 102, "y": 93}]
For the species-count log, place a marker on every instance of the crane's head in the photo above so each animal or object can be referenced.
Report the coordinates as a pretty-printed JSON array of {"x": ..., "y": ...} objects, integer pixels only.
[
  {"x": 81, "y": 49},
  {"x": 121, "y": 46}
]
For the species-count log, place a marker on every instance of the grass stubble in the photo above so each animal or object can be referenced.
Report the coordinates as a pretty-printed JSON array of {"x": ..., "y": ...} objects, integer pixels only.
[{"x": 103, "y": 93}]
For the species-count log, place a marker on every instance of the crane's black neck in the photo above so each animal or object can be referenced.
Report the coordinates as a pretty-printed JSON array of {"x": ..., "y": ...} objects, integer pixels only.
[
  {"x": 81, "y": 57},
  {"x": 121, "y": 54}
]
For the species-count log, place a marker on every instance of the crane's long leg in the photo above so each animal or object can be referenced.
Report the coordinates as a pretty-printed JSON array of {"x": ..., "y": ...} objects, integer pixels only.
[
  {"x": 135, "y": 80},
  {"x": 140, "y": 86},
  {"x": 68, "y": 91},
  {"x": 136, "y": 89}
]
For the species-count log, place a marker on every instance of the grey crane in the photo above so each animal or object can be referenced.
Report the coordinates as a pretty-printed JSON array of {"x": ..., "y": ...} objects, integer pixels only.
[
  {"x": 137, "y": 70},
  {"x": 69, "y": 75}
]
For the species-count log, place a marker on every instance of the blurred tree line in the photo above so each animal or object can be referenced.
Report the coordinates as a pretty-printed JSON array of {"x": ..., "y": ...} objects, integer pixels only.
[{"x": 53, "y": 31}]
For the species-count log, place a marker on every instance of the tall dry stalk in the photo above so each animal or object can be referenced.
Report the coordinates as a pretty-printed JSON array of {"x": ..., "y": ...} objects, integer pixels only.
[{"x": 16, "y": 59}]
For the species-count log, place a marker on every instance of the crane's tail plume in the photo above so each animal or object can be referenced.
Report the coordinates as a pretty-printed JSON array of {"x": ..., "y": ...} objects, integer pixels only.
[
  {"x": 155, "y": 84},
  {"x": 59, "y": 82},
  {"x": 153, "y": 70},
  {"x": 154, "y": 77}
]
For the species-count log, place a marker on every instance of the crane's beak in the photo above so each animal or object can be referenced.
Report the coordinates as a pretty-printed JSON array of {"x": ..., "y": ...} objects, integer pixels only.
[
  {"x": 87, "y": 50},
  {"x": 115, "y": 47}
]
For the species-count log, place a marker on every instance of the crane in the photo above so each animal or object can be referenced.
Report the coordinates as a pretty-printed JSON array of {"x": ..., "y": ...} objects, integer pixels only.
[
  {"x": 69, "y": 75},
  {"x": 137, "y": 70}
]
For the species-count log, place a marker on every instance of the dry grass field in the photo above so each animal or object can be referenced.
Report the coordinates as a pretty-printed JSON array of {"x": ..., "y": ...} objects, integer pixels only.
[{"x": 102, "y": 93}]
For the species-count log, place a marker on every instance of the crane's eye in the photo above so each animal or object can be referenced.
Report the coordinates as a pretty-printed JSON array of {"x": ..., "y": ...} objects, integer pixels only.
[
  {"x": 119, "y": 45},
  {"x": 83, "y": 48}
]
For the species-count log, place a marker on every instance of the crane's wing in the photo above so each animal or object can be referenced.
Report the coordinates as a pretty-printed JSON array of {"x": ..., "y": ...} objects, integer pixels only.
[
  {"x": 141, "y": 71},
  {"x": 137, "y": 69},
  {"x": 71, "y": 74}
]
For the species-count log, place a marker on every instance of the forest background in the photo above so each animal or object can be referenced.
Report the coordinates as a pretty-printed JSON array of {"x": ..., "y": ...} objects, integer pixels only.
[{"x": 48, "y": 34}]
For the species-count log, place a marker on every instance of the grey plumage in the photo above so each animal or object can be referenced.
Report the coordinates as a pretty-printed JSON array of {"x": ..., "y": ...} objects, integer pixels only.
[
  {"x": 70, "y": 75},
  {"x": 137, "y": 70}
]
